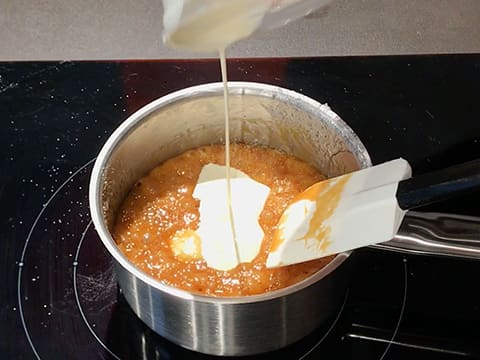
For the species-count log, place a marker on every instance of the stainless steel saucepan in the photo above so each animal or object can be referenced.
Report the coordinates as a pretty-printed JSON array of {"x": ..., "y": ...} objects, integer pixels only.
[{"x": 260, "y": 114}]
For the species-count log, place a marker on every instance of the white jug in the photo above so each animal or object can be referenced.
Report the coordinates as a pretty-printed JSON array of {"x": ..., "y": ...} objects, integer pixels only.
[{"x": 210, "y": 25}]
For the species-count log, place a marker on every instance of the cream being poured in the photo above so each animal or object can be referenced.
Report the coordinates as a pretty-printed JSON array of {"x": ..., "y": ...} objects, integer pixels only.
[{"x": 211, "y": 26}]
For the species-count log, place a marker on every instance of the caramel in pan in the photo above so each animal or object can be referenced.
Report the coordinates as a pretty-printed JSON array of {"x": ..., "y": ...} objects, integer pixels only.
[{"x": 161, "y": 204}]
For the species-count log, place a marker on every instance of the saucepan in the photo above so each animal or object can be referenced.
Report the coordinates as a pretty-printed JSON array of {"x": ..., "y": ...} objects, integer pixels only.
[{"x": 260, "y": 114}]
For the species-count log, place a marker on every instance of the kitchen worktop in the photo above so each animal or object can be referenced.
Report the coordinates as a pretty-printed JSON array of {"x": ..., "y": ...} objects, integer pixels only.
[{"x": 123, "y": 29}]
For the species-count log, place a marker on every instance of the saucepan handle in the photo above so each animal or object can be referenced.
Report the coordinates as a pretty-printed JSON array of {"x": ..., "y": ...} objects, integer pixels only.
[{"x": 437, "y": 234}]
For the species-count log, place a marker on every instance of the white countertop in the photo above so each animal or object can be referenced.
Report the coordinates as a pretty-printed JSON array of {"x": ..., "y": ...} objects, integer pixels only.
[{"x": 126, "y": 29}]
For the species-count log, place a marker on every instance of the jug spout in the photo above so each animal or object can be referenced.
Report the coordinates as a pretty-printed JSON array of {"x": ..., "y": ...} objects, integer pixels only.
[{"x": 210, "y": 25}]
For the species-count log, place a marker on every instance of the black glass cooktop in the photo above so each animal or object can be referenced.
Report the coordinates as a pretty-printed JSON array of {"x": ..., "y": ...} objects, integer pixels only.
[{"x": 59, "y": 298}]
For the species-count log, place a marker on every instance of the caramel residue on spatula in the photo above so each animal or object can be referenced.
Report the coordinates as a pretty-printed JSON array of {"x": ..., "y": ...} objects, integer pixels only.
[{"x": 326, "y": 195}]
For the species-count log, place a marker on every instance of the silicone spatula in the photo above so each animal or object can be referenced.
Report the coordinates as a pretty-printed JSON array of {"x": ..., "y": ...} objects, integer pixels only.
[{"x": 361, "y": 208}]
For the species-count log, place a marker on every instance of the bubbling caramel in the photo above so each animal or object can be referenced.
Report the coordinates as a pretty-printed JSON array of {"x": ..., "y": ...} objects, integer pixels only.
[{"x": 161, "y": 205}]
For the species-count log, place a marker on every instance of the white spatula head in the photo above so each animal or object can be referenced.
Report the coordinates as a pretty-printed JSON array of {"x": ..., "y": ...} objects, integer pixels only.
[{"x": 341, "y": 214}]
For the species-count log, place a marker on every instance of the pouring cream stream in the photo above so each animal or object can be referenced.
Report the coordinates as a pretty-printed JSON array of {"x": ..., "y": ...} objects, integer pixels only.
[{"x": 211, "y": 26}]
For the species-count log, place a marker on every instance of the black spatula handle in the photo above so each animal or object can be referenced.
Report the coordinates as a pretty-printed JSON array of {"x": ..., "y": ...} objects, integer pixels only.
[{"x": 438, "y": 185}]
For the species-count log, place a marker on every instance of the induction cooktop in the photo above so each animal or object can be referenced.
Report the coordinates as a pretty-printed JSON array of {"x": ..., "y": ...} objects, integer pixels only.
[{"x": 59, "y": 297}]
